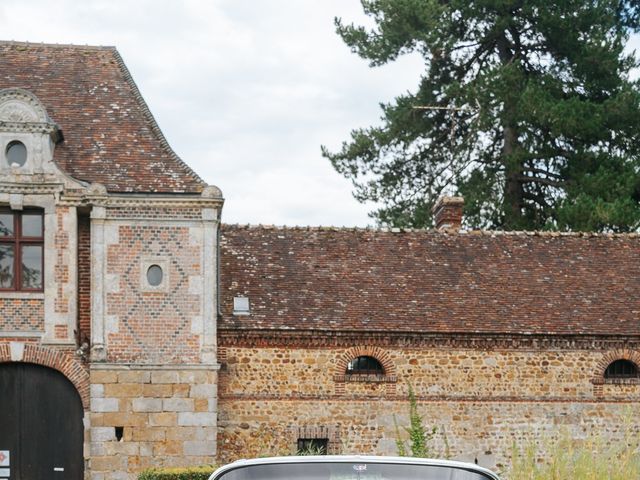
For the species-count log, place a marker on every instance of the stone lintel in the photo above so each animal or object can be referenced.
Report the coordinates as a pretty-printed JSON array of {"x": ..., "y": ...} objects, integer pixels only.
[{"x": 133, "y": 366}]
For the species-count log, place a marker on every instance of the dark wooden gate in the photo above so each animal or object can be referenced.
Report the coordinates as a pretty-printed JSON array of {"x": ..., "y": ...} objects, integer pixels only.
[{"x": 40, "y": 423}]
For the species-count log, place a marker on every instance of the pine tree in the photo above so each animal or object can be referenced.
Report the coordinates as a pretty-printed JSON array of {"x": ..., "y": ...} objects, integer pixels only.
[{"x": 526, "y": 108}]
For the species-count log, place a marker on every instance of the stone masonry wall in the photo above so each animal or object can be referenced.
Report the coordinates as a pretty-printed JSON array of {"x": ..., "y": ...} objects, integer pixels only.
[
  {"x": 480, "y": 430},
  {"x": 145, "y": 418},
  {"x": 480, "y": 400},
  {"x": 153, "y": 359}
]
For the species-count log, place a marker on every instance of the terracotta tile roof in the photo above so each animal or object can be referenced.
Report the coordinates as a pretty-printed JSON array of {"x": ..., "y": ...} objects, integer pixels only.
[
  {"x": 426, "y": 281},
  {"x": 110, "y": 135}
]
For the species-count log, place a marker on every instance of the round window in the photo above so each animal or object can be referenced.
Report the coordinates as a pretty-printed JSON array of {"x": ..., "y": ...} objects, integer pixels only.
[
  {"x": 154, "y": 275},
  {"x": 16, "y": 154}
]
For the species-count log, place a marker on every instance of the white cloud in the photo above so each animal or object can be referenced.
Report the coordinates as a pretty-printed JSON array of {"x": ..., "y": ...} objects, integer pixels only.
[{"x": 245, "y": 91}]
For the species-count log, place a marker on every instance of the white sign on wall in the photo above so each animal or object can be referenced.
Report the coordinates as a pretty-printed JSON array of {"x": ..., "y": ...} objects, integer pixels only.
[{"x": 4, "y": 458}]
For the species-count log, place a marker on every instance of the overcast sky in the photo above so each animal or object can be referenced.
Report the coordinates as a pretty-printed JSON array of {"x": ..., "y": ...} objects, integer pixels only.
[{"x": 245, "y": 91}]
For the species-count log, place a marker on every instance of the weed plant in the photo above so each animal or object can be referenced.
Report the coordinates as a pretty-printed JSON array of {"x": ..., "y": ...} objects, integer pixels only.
[{"x": 570, "y": 459}]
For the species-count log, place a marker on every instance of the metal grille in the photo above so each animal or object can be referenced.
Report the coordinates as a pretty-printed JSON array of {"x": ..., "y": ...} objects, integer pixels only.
[
  {"x": 365, "y": 366},
  {"x": 621, "y": 369}
]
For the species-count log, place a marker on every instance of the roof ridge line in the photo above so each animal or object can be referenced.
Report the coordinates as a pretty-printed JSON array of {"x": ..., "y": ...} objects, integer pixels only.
[
  {"x": 487, "y": 233},
  {"x": 501, "y": 334},
  {"x": 56, "y": 45},
  {"x": 152, "y": 123}
]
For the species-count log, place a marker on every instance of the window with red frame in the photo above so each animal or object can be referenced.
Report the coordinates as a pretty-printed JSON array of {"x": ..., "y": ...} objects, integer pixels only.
[{"x": 21, "y": 250}]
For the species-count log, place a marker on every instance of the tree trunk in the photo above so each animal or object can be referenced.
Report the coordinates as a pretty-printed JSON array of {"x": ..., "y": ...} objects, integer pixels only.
[
  {"x": 513, "y": 202},
  {"x": 513, "y": 191}
]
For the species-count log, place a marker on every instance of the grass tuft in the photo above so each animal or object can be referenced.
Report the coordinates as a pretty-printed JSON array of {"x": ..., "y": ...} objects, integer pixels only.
[{"x": 567, "y": 458}]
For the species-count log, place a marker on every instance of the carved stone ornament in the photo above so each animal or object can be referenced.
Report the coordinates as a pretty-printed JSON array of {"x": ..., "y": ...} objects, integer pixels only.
[
  {"x": 211, "y": 191},
  {"x": 21, "y": 111},
  {"x": 16, "y": 111},
  {"x": 19, "y": 105},
  {"x": 97, "y": 189}
]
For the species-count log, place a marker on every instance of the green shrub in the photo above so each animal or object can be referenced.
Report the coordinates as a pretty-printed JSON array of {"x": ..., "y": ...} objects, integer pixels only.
[
  {"x": 196, "y": 473},
  {"x": 419, "y": 438},
  {"x": 312, "y": 449}
]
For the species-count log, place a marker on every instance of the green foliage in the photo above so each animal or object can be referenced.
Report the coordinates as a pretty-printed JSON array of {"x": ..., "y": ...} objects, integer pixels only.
[
  {"x": 402, "y": 449},
  {"x": 526, "y": 108},
  {"x": 312, "y": 449},
  {"x": 592, "y": 459},
  {"x": 195, "y": 473},
  {"x": 419, "y": 438}
]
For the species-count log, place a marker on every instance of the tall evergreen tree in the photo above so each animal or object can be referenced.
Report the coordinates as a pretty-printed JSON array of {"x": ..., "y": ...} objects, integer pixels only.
[{"x": 527, "y": 108}]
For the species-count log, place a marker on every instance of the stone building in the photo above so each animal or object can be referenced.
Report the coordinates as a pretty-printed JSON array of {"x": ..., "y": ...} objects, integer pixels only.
[
  {"x": 136, "y": 331},
  {"x": 107, "y": 273},
  {"x": 504, "y": 336}
]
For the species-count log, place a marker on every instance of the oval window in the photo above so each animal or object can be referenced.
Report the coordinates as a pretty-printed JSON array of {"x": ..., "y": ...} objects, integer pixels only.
[
  {"x": 16, "y": 154},
  {"x": 154, "y": 275}
]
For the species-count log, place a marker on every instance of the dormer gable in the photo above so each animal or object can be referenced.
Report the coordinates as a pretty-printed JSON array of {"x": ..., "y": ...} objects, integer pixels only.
[{"x": 27, "y": 136}]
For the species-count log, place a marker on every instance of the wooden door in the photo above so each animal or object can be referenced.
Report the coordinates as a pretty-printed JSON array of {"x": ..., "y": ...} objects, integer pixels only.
[{"x": 40, "y": 423}]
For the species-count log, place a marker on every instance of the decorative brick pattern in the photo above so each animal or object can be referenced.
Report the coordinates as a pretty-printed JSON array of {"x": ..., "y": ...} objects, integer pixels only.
[
  {"x": 63, "y": 360},
  {"x": 314, "y": 339},
  {"x": 153, "y": 326},
  {"x": 61, "y": 332},
  {"x": 22, "y": 315},
  {"x": 164, "y": 213},
  {"x": 61, "y": 304}
]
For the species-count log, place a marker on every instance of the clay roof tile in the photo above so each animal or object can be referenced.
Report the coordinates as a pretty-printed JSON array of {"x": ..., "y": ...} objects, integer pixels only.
[{"x": 110, "y": 136}]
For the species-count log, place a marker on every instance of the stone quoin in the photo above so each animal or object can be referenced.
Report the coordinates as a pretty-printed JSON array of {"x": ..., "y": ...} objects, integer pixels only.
[{"x": 188, "y": 341}]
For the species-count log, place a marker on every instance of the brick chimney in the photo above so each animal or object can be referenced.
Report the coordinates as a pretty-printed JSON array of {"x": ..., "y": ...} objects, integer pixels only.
[{"x": 447, "y": 213}]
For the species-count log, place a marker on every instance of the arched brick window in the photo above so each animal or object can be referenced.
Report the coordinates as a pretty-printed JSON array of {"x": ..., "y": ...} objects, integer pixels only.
[
  {"x": 621, "y": 369},
  {"x": 364, "y": 365}
]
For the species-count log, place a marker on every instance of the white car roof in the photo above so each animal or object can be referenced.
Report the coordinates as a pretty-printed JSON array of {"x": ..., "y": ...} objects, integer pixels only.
[{"x": 355, "y": 459}]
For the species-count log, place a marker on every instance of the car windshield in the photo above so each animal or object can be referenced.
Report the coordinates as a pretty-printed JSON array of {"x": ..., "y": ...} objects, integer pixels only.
[{"x": 350, "y": 471}]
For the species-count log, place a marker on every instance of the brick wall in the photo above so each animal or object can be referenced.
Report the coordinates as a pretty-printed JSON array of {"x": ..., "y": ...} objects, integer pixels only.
[
  {"x": 168, "y": 213},
  {"x": 84, "y": 278},
  {"x": 153, "y": 326},
  {"x": 60, "y": 275},
  {"x": 154, "y": 388},
  {"x": 62, "y": 359},
  {"x": 61, "y": 267},
  {"x": 22, "y": 315}
]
